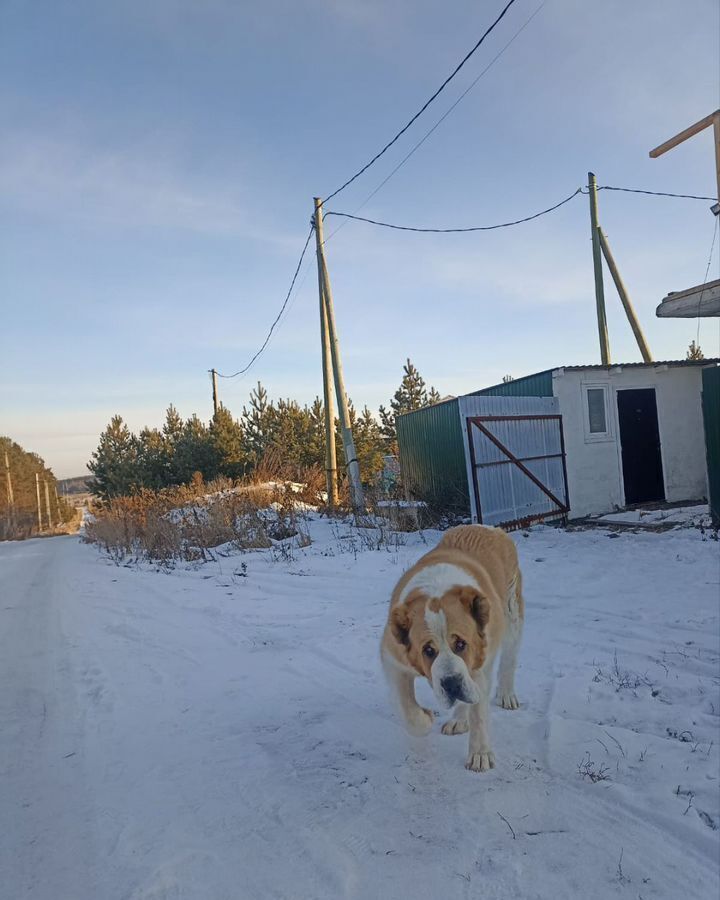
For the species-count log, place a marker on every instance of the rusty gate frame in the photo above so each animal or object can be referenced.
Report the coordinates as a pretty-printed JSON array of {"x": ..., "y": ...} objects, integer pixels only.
[{"x": 562, "y": 508}]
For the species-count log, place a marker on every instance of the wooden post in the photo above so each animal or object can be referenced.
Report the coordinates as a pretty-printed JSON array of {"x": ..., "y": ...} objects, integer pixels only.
[
  {"x": 330, "y": 452},
  {"x": 10, "y": 494},
  {"x": 353, "y": 469},
  {"x": 714, "y": 120},
  {"x": 37, "y": 490},
  {"x": 597, "y": 265},
  {"x": 625, "y": 298},
  {"x": 215, "y": 391},
  {"x": 716, "y": 135},
  {"x": 47, "y": 504}
]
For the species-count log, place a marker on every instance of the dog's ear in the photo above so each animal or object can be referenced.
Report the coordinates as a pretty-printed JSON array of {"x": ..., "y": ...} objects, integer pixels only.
[
  {"x": 477, "y": 606},
  {"x": 400, "y": 624}
]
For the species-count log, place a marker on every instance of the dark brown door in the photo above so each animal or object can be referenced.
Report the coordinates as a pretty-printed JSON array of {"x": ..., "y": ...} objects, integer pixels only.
[{"x": 640, "y": 444}]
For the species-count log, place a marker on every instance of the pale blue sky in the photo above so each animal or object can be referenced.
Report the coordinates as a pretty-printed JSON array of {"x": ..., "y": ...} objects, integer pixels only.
[{"x": 159, "y": 159}]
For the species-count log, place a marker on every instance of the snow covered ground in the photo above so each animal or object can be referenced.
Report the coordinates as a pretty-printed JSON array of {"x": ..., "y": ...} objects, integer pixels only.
[{"x": 223, "y": 732}]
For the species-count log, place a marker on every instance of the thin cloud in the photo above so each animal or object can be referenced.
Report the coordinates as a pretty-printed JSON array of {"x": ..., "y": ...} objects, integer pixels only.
[{"x": 64, "y": 179}]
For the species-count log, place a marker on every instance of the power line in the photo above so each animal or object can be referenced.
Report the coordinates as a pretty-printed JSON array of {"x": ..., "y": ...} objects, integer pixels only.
[
  {"x": 282, "y": 310},
  {"x": 607, "y": 187},
  {"x": 424, "y": 106},
  {"x": 543, "y": 212},
  {"x": 707, "y": 272},
  {"x": 441, "y": 119}
]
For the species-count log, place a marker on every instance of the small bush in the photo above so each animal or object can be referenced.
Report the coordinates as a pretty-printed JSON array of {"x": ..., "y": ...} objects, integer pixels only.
[{"x": 189, "y": 523}]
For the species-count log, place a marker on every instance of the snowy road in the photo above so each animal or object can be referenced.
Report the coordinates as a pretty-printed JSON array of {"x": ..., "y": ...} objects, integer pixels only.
[{"x": 214, "y": 734}]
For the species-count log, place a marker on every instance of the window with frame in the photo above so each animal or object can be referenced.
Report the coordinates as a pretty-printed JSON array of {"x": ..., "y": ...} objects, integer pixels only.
[
  {"x": 597, "y": 418},
  {"x": 597, "y": 412}
]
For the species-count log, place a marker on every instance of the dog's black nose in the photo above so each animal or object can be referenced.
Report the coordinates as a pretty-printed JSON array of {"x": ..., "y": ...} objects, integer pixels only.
[{"x": 452, "y": 686}]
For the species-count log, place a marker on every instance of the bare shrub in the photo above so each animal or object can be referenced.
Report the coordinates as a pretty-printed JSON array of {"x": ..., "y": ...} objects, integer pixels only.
[
  {"x": 190, "y": 522},
  {"x": 588, "y": 770},
  {"x": 621, "y": 679}
]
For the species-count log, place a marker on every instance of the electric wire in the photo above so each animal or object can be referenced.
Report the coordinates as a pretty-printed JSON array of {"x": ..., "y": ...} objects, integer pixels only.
[
  {"x": 277, "y": 318},
  {"x": 607, "y": 187},
  {"x": 537, "y": 215},
  {"x": 424, "y": 106},
  {"x": 439, "y": 122},
  {"x": 707, "y": 272}
]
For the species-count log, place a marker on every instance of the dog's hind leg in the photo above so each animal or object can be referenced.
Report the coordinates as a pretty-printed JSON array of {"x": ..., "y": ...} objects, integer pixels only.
[
  {"x": 417, "y": 719},
  {"x": 459, "y": 722},
  {"x": 506, "y": 696}
]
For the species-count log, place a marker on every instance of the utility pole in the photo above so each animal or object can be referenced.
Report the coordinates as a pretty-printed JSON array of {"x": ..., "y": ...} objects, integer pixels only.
[
  {"x": 10, "y": 494},
  {"x": 625, "y": 298},
  {"x": 714, "y": 120},
  {"x": 215, "y": 390},
  {"x": 37, "y": 490},
  {"x": 597, "y": 265},
  {"x": 353, "y": 469},
  {"x": 330, "y": 453},
  {"x": 47, "y": 503}
]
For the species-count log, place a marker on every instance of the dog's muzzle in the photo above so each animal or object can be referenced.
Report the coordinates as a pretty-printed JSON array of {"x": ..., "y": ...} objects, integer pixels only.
[{"x": 454, "y": 689}]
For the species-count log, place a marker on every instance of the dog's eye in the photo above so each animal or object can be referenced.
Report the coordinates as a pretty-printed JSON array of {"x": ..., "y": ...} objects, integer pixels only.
[
  {"x": 429, "y": 651},
  {"x": 460, "y": 645}
]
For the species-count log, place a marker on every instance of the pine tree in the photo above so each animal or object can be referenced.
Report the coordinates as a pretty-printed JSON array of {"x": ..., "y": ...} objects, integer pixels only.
[
  {"x": 411, "y": 395},
  {"x": 258, "y": 424},
  {"x": 694, "y": 351},
  {"x": 20, "y": 520},
  {"x": 228, "y": 444},
  {"x": 172, "y": 433},
  {"x": 115, "y": 462},
  {"x": 152, "y": 459},
  {"x": 315, "y": 438},
  {"x": 369, "y": 445},
  {"x": 433, "y": 397},
  {"x": 195, "y": 452}
]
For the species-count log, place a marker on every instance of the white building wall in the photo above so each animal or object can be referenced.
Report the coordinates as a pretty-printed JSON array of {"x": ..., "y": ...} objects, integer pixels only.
[{"x": 594, "y": 465}]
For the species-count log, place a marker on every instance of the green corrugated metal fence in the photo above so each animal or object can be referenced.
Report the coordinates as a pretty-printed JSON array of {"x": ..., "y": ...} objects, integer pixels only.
[
  {"x": 432, "y": 456},
  {"x": 711, "y": 416},
  {"x": 538, "y": 385},
  {"x": 432, "y": 452}
]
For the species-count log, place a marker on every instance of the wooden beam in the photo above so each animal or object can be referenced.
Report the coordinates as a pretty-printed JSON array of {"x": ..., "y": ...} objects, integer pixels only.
[
  {"x": 702, "y": 301},
  {"x": 684, "y": 135}
]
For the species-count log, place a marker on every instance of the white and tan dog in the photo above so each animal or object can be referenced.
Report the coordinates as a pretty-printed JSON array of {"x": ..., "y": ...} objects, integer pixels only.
[{"x": 449, "y": 615}]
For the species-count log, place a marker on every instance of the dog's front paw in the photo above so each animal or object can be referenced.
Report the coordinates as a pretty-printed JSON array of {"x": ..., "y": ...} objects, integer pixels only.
[
  {"x": 455, "y": 726},
  {"x": 419, "y": 722},
  {"x": 507, "y": 700},
  {"x": 480, "y": 762}
]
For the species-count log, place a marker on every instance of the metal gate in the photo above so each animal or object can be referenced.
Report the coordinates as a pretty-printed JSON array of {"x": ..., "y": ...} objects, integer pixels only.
[{"x": 518, "y": 469}]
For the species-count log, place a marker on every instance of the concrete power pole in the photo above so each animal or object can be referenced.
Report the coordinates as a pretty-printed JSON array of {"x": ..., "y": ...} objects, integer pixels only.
[
  {"x": 597, "y": 266},
  {"x": 353, "y": 469},
  {"x": 37, "y": 491}
]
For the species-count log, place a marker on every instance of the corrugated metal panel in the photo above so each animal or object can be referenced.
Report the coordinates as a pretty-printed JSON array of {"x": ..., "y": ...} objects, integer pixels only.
[
  {"x": 711, "y": 417},
  {"x": 501, "y": 489},
  {"x": 538, "y": 385},
  {"x": 658, "y": 363},
  {"x": 432, "y": 456}
]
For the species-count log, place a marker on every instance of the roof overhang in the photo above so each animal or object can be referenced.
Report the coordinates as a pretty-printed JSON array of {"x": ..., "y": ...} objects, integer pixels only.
[{"x": 702, "y": 300}]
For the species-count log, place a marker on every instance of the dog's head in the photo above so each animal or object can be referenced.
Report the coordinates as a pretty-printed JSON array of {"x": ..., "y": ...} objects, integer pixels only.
[{"x": 443, "y": 639}]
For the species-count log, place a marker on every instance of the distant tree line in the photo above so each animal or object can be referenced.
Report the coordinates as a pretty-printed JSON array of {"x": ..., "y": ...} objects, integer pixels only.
[
  {"x": 19, "y": 519},
  {"x": 293, "y": 435}
]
